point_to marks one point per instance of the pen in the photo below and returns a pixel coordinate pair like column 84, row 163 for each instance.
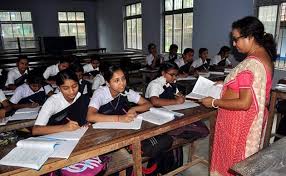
column 124, row 110
column 31, row 101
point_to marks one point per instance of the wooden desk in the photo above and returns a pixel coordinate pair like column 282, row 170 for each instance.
column 14, row 125
column 269, row 161
column 98, row 142
column 275, row 95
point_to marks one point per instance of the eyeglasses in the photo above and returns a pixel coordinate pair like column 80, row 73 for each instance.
column 172, row 74
column 235, row 39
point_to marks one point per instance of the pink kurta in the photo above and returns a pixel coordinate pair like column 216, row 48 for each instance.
column 233, row 127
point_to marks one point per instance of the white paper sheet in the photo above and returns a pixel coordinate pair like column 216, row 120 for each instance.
column 187, row 104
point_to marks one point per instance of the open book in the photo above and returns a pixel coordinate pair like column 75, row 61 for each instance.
column 135, row 125
column 204, row 88
column 29, row 153
column 159, row 116
column 66, row 141
column 25, row 113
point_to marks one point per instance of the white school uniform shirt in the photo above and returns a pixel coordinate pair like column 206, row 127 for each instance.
column 13, row 75
column 217, row 58
column 24, row 91
column 156, row 87
column 51, row 71
column 150, row 58
column 103, row 96
column 198, row 62
column 2, row 96
column 88, row 68
column 180, row 62
column 53, row 105
column 98, row 81
column 167, row 57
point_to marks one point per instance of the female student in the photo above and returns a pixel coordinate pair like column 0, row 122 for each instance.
column 4, row 105
column 185, row 62
column 173, row 53
column 84, row 86
column 221, row 60
column 111, row 103
column 52, row 70
column 201, row 64
column 163, row 91
column 18, row 75
column 31, row 94
column 65, row 111
column 153, row 60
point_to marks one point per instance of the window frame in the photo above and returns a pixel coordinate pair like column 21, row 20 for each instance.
column 23, row 39
column 174, row 12
column 75, row 22
column 131, row 17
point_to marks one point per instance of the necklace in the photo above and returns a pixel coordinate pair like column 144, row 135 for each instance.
column 114, row 108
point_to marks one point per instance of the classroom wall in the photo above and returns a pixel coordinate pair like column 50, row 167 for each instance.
column 44, row 15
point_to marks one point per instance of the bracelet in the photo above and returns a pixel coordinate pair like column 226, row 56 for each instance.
column 213, row 104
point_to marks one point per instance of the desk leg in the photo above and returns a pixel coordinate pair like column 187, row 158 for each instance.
column 136, row 150
column 270, row 119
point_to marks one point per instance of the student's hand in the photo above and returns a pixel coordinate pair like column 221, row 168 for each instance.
column 207, row 102
column 2, row 113
column 132, row 111
column 127, row 117
column 71, row 125
column 33, row 105
column 180, row 99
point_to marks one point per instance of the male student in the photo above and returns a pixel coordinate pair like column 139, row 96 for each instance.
column 17, row 76
column 52, row 70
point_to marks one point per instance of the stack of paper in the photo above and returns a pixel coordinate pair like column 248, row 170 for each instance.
column 204, row 88
column 216, row 73
column 159, row 116
column 135, row 125
column 227, row 70
column 8, row 92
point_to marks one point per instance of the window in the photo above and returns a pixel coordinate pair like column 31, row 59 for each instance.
column 178, row 24
column 274, row 19
column 73, row 24
column 14, row 26
column 133, row 26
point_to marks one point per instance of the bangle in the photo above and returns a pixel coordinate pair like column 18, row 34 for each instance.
column 213, row 104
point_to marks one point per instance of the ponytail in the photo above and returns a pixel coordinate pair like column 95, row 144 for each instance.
column 270, row 45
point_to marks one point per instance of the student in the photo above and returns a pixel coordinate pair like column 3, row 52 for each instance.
column 18, row 75
column 93, row 67
column 221, row 59
column 173, row 53
column 52, row 70
column 110, row 103
column 65, row 111
column 98, row 80
column 84, row 86
column 163, row 91
column 201, row 64
column 4, row 105
column 185, row 62
column 153, row 60
column 32, row 93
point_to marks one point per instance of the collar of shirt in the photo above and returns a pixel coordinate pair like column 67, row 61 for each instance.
column 18, row 72
column 76, row 97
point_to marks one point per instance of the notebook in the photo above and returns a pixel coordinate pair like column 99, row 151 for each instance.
column 159, row 116
column 29, row 153
column 135, row 125
column 186, row 105
column 25, row 113
column 204, row 88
